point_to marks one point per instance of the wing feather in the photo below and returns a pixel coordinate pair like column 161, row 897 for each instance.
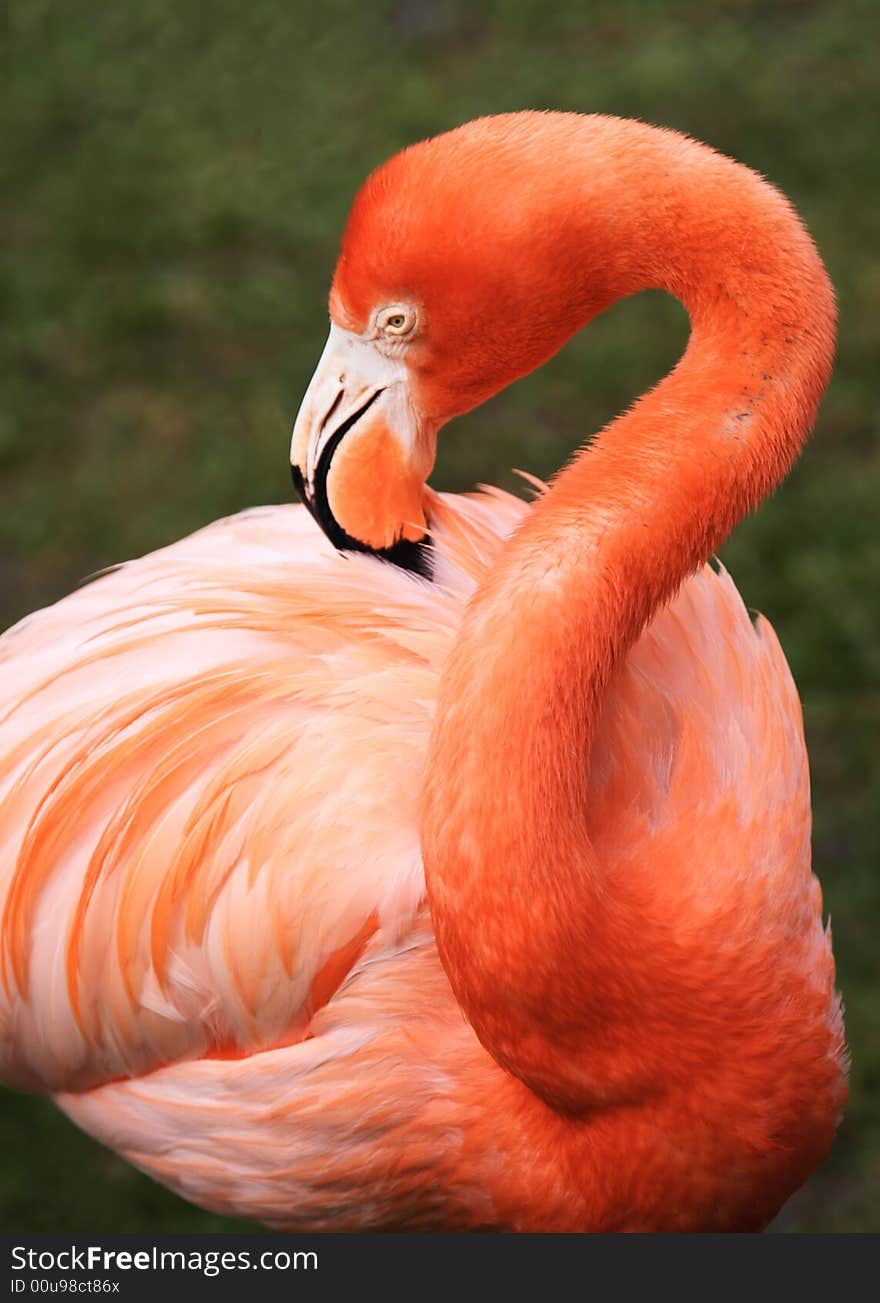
column 208, row 794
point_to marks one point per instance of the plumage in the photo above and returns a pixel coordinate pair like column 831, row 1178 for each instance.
column 224, row 768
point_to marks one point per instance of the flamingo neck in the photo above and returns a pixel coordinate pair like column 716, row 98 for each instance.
column 561, row 970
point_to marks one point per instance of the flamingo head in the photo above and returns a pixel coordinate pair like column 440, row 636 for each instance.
column 457, row 275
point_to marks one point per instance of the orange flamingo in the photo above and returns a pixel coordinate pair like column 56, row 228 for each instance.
column 340, row 896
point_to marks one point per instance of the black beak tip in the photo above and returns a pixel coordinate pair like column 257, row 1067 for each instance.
column 299, row 488
column 417, row 557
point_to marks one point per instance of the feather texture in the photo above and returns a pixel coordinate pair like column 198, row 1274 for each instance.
column 214, row 922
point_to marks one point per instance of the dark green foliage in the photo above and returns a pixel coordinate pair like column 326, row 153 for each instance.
column 175, row 179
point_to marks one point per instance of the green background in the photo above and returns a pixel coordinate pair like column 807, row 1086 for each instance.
column 176, row 176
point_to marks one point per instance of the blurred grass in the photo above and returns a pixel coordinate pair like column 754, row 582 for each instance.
column 176, row 177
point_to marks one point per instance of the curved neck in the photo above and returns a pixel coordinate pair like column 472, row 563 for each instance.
column 549, row 952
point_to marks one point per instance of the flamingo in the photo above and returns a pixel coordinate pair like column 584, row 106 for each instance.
column 449, row 866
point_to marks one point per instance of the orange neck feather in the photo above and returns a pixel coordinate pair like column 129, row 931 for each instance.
column 558, row 965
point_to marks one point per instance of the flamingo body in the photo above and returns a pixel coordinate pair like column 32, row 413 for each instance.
column 243, row 995
column 296, row 925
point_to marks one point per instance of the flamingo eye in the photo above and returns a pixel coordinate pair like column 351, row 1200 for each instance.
column 396, row 321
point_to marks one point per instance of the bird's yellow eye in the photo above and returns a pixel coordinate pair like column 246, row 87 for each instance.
column 396, row 321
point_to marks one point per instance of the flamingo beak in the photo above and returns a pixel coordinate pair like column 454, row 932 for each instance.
column 360, row 454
